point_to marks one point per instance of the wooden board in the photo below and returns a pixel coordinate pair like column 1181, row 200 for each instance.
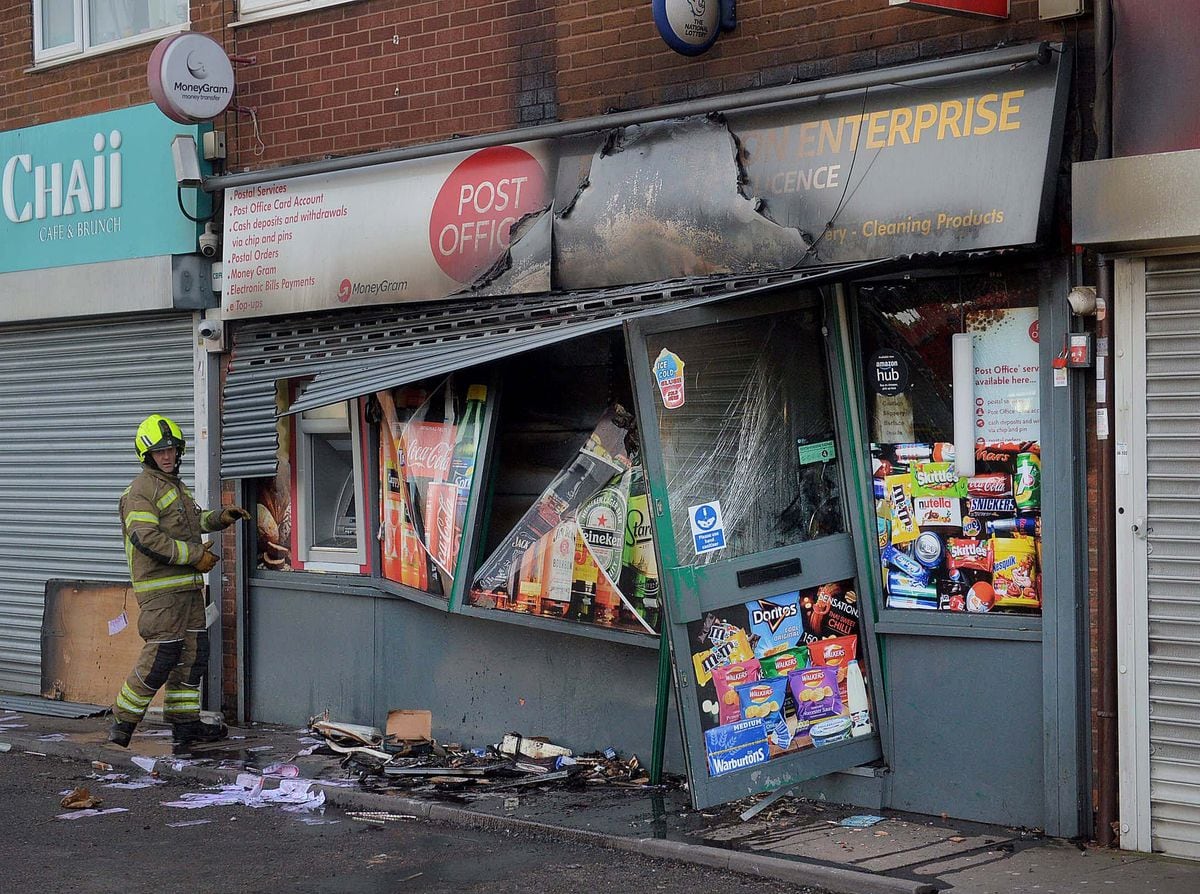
column 80, row 661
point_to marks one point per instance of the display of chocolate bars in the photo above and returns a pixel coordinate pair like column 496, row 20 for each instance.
column 954, row 543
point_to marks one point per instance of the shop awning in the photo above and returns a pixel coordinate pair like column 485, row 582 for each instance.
column 350, row 355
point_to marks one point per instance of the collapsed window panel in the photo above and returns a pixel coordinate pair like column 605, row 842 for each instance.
column 569, row 535
column 779, row 675
column 951, row 541
column 428, row 441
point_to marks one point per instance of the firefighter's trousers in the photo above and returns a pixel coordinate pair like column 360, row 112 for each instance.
column 175, row 655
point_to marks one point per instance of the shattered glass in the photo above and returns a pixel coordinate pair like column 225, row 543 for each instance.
column 753, row 429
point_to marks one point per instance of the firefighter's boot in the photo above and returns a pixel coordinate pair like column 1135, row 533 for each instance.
column 121, row 732
column 196, row 732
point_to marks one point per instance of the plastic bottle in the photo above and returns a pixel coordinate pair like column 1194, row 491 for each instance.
column 856, row 696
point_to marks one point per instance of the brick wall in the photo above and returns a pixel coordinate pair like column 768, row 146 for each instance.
column 373, row 74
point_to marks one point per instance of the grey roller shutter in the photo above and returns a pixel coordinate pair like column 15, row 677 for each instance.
column 71, row 397
column 353, row 354
column 1173, row 546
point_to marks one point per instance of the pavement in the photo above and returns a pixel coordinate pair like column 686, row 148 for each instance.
column 793, row 840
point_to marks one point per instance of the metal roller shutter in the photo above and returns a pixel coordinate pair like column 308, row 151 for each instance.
column 71, row 397
column 1173, row 547
column 355, row 353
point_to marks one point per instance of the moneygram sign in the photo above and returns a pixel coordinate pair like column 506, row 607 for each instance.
column 99, row 188
column 409, row 231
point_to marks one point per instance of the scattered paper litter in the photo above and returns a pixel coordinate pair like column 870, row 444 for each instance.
column 5, row 746
column 957, row 839
column 76, row 814
column 288, row 771
column 318, row 821
column 111, row 777
column 80, row 799
column 183, row 823
column 146, row 763
column 53, row 737
column 249, row 791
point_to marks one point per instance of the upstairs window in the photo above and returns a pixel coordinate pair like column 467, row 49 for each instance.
column 64, row 28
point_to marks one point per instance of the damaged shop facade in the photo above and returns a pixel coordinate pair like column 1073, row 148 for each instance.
column 509, row 412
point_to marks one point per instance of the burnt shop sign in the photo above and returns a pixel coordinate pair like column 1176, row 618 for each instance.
column 896, row 171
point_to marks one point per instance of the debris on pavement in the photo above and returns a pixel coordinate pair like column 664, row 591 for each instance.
column 79, row 814
column 80, row 799
column 861, row 821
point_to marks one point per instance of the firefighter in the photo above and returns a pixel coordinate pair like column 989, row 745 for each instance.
column 167, row 560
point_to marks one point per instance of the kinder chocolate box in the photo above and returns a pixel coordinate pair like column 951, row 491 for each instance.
column 735, row 746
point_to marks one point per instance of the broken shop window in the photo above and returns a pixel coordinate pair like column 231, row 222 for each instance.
column 582, row 551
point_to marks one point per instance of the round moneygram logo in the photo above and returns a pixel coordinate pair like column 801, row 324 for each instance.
column 344, row 290
column 471, row 221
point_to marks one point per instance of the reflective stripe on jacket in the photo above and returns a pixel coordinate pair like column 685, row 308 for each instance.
column 162, row 526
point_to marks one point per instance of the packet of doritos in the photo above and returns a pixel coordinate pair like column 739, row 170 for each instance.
column 775, row 620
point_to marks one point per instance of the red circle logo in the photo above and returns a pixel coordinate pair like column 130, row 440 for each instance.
column 473, row 214
column 1033, row 330
column 344, row 290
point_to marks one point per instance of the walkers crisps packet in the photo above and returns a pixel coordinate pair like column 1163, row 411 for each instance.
column 725, row 680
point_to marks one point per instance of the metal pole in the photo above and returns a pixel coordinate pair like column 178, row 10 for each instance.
column 1106, row 556
column 660, row 705
column 767, row 96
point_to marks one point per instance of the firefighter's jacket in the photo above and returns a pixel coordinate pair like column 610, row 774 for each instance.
column 162, row 526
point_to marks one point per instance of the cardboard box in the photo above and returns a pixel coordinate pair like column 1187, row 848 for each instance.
column 410, row 726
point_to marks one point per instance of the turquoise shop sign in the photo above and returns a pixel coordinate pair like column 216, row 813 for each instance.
column 97, row 188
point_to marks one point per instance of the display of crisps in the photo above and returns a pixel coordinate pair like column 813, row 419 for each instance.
column 763, row 700
column 726, row 679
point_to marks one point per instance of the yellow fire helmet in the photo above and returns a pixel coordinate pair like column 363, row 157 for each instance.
column 157, row 432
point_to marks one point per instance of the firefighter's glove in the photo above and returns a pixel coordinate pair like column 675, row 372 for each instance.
column 206, row 562
column 232, row 514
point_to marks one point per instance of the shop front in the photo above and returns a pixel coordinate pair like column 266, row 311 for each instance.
column 98, row 293
column 514, row 416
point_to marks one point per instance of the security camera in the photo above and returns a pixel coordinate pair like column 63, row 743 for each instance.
column 209, row 330
column 210, row 241
column 1082, row 300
